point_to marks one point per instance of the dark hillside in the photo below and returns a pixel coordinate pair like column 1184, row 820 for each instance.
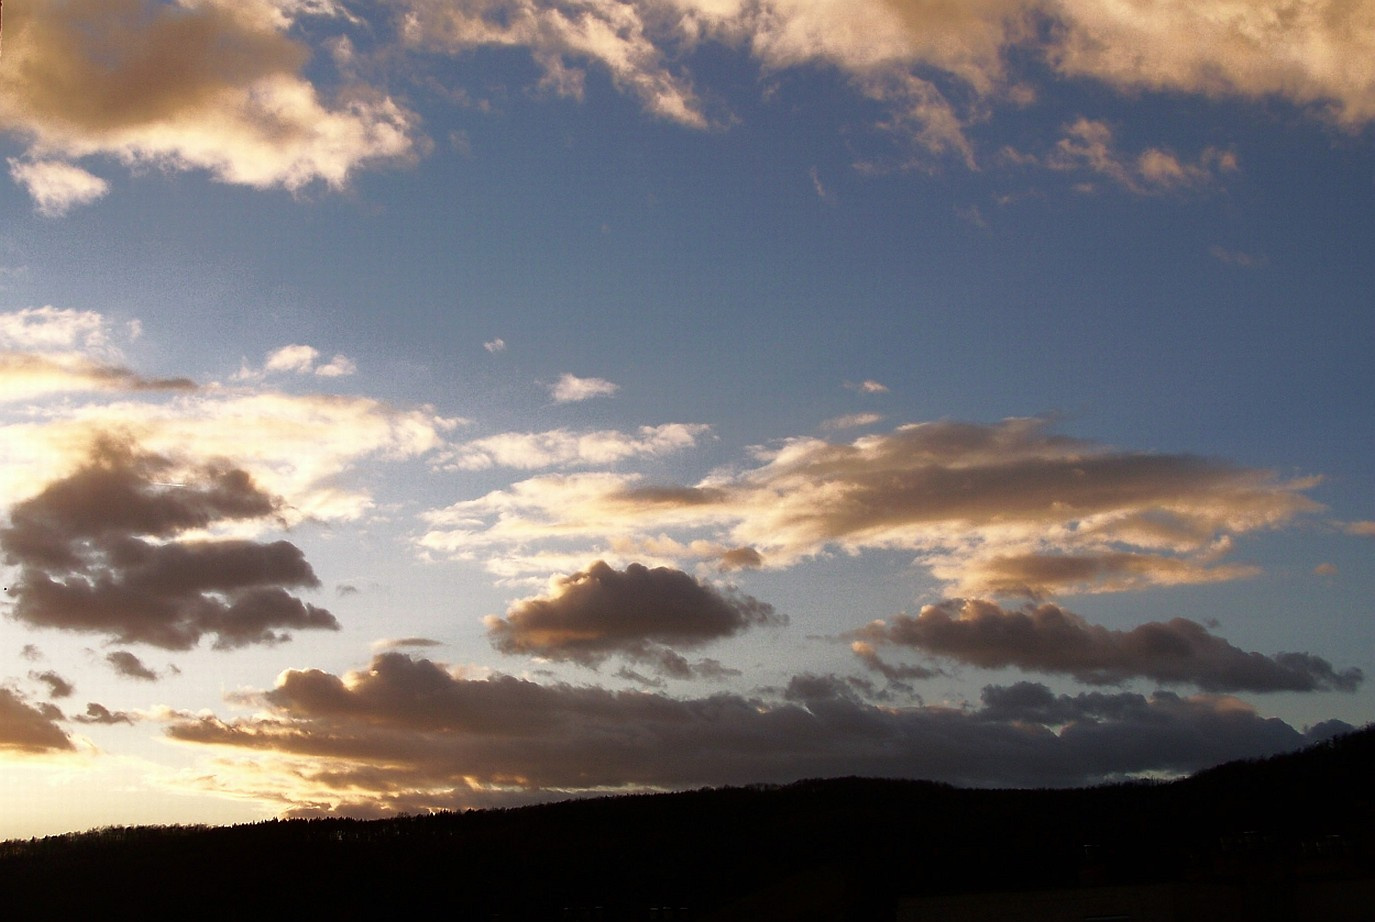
column 830, row 849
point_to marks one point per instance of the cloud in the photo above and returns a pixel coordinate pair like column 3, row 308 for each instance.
column 27, row 376
column 46, row 350
column 412, row 734
column 562, row 447
column 852, row 421
column 1311, row 54
column 1088, row 144
column 1047, row 638
column 130, row 666
column 30, row 728
column 299, row 360
column 58, row 687
column 496, row 345
column 1106, row 571
column 50, row 329
column 571, row 389
column 613, row 35
column 638, row 612
column 104, row 550
column 57, row 187
column 215, row 86
column 303, row 448
column 100, row 714
column 399, row 643
column 1236, row 257
column 1360, row 529
column 869, row 387
column 940, row 69
column 894, row 672
column 1008, row 507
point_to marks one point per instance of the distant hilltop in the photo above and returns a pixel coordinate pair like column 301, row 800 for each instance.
column 1268, row 836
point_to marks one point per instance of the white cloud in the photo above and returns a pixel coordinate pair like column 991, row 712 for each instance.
column 57, row 187
column 300, row 360
column 48, row 329
column 571, row 389
column 562, row 447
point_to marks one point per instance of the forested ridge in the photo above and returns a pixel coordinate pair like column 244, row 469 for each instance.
column 834, row 848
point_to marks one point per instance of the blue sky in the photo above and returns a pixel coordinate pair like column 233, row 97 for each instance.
column 414, row 405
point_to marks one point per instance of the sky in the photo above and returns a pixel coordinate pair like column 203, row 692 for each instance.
column 415, row 405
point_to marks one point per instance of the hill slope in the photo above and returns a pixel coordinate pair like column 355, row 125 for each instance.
column 828, row 849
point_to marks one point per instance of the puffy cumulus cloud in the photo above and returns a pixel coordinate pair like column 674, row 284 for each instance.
column 1009, row 507
column 130, row 666
column 105, row 550
column 300, row 360
column 215, row 85
column 563, row 447
column 26, row 727
column 57, row 187
column 58, row 687
column 412, row 732
column 572, row 389
column 639, row 612
column 1047, row 638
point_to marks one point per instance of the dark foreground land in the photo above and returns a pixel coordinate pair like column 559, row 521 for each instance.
column 1291, row 837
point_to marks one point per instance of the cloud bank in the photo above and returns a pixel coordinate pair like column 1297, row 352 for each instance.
column 409, row 734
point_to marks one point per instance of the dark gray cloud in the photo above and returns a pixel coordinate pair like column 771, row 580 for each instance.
column 29, row 727
column 397, row 643
column 408, row 727
column 102, row 551
column 100, row 714
column 640, row 612
column 130, row 666
column 58, row 687
column 1047, row 638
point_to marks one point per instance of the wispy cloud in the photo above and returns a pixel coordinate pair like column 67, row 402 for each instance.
column 1009, row 507
column 564, row 447
column 571, row 389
